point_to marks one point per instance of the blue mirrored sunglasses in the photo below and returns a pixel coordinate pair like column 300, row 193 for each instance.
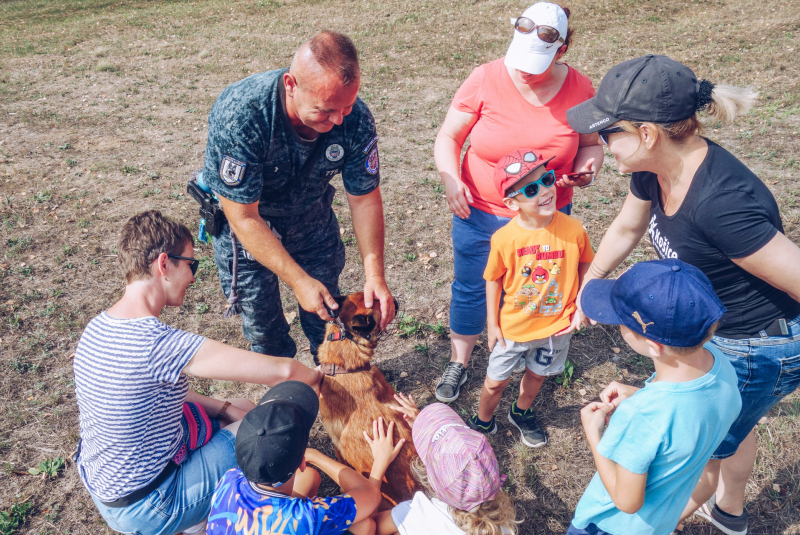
column 532, row 190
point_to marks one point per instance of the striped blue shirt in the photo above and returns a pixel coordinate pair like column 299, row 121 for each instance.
column 130, row 394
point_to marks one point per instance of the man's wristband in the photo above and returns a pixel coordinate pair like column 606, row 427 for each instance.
column 590, row 183
column 223, row 409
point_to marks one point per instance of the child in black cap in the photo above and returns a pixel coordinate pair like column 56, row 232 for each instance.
column 274, row 490
column 661, row 436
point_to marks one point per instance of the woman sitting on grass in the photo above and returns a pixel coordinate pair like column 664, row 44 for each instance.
column 150, row 454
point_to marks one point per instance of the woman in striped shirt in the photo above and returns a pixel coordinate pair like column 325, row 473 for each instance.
column 148, row 454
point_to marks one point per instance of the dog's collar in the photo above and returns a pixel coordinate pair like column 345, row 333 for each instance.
column 333, row 370
column 341, row 335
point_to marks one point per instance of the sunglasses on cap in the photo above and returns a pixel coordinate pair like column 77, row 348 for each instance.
column 605, row 132
column 548, row 34
column 532, row 190
column 193, row 262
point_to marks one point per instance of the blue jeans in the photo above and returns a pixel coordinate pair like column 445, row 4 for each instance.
column 768, row 369
column 591, row 529
column 471, row 245
column 183, row 499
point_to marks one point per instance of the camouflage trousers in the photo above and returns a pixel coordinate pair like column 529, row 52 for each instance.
column 313, row 241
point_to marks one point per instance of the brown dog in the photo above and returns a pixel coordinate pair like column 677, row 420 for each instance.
column 355, row 393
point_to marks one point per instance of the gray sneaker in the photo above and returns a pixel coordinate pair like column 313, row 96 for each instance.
column 521, row 366
column 450, row 384
column 727, row 524
column 532, row 435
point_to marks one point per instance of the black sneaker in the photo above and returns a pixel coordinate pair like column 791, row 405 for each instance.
column 730, row 525
column 450, row 384
column 533, row 435
column 490, row 429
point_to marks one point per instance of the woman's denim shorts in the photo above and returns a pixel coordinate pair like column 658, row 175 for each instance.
column 768, row 369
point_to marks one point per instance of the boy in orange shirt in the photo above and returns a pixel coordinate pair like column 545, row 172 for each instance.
column 538, row 259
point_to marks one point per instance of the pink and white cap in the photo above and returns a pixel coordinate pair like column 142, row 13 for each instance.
column 462, row 468
column 527, row 52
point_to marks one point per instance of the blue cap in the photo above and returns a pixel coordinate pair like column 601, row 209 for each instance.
column 667, row 301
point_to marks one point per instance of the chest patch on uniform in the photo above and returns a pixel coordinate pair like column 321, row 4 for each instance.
column 231, row 171
column 334, row 152
column 372, row 162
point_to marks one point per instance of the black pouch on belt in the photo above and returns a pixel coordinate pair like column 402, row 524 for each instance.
column 210, row 210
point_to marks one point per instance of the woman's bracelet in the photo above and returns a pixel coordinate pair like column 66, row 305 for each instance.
column 590, row 183
column 597, row 272
column 223, row 409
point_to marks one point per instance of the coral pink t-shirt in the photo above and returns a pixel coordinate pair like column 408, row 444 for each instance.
column 507, row 122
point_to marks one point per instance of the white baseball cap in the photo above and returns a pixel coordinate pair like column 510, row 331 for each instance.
column 527, row 52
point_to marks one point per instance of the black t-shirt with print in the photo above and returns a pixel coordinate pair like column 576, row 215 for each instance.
column 728, row 213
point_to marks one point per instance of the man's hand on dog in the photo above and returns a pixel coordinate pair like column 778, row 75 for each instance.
column 383, row 449
column 375, row 289
column 407, row 407
column 312, row 296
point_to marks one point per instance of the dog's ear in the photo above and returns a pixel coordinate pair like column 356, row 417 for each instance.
column 339, row 299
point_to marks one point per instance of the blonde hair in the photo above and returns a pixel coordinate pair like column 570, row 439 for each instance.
column 493, row 517
column 726, row 104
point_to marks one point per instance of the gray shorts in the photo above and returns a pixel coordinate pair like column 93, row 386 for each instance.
column 540, row 356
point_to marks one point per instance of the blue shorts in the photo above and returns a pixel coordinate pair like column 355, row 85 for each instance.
column 183, row 499
column 768, row 369
column 472, row 242
column 591, row 529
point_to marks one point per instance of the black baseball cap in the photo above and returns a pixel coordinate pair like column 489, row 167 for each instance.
column 272, row 437
column 653, row 89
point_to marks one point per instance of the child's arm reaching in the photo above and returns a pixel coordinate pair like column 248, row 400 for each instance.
column 383, row 452
column 493, row 332
column 578, row 319
column 364, row 493
column 625, row 487
column 407, row 407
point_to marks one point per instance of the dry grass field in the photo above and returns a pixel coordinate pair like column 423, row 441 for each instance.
column 103, row 113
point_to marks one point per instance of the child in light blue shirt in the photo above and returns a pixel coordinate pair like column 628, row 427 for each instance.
column 659, row 438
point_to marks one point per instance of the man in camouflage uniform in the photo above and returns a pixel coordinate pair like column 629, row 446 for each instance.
column 275, row 141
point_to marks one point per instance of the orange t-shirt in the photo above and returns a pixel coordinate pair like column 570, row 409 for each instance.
column 507, row 122
column 539, row 269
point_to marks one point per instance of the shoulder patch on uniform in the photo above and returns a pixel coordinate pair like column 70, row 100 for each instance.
column 370, row 144
column 231, row 171
column 372, row 162
column 334, row 152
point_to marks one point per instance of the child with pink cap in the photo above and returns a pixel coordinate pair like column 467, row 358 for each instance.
column 460, row 475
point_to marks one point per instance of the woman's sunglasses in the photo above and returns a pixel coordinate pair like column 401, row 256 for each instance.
column 193, row 262
column 548, row 34
column 532, row 190
column 605, row 132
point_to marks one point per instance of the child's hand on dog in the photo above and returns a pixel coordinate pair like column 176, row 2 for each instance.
column 383, row 449
column 407, row 406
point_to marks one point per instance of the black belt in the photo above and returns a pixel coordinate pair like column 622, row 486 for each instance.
column 776, row 328
column 138, row 494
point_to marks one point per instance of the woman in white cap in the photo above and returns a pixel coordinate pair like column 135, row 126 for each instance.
column 516, row 101
column 700, row 204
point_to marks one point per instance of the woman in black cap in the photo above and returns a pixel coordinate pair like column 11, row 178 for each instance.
column 700, row 204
